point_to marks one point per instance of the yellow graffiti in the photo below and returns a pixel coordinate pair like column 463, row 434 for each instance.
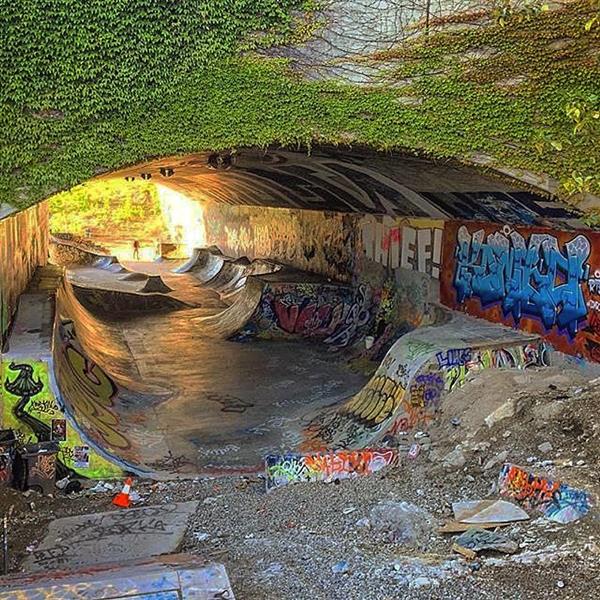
column 91, row 394
column 377, row 401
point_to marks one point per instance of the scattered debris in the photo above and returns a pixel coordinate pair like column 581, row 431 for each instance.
column 455, row 459
column 470, row 554
column 495, row 460
column 477, row 539
column 201, row 536
column 402, row 522
column 341, row 567
column 414, row 451
column 101, row 488
column 488, row 511
column 545, row 447
column 505, row 411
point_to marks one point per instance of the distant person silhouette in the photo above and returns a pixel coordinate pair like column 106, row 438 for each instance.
column 136, row 250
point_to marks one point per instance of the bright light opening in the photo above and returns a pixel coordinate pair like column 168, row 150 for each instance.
column 183, row 217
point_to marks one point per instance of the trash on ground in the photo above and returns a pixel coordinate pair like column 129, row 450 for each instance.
column 470, row 554
column 557, row 501
column 341, row 567
column 457, row 527
column 477, row 539
column 101, row 487
column 414, row 450
column 402, row 522
column 488, row 511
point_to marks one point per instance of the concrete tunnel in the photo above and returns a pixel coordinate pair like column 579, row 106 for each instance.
column 301, row 302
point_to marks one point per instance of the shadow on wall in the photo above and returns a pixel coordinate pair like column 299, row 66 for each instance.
column 23, row 247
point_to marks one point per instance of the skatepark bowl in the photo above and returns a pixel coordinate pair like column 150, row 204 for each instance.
column 334, row 321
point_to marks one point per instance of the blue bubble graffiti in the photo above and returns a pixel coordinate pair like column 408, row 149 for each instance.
column 535, row 278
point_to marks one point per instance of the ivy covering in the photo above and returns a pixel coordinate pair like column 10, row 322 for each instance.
column 93, row 86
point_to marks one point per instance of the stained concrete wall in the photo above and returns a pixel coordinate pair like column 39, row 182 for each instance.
column 23, row 247
column 315, row 241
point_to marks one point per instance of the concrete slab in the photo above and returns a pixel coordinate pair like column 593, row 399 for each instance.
column 175, row 577
column 111, row 537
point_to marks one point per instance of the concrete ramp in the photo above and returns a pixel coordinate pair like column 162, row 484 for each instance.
column 409, row 386
column 175, row 391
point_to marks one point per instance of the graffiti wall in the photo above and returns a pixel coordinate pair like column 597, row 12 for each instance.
column 23, row 246
column 326, row 466
column 29, row 407
column 412, row 244
column 313, row 241
column 87, row 390
column 540, row 280
column 332, row 313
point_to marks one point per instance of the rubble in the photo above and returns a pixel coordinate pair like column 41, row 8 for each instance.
column 402, row 522
column 455, row 459
column 477, row 539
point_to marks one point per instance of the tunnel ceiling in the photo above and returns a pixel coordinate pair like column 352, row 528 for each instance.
column 332, row 180
column 93, row 86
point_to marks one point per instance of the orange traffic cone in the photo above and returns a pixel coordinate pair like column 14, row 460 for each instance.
column 122, row 498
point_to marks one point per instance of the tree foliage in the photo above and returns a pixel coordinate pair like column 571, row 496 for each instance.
column 93, row 86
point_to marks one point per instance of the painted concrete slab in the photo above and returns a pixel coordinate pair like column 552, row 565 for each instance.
column 175, row 577
column 117, row 536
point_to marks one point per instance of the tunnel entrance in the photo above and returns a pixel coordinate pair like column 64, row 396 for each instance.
column 275, row 301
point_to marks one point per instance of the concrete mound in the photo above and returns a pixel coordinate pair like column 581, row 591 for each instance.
column 155, row 284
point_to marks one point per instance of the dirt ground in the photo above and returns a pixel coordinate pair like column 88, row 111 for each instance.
column 313, row 541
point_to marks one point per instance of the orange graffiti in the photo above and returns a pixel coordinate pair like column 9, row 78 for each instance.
column 361, row 462
column 523, row 486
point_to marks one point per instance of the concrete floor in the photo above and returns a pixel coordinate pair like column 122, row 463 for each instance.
column 190, row 403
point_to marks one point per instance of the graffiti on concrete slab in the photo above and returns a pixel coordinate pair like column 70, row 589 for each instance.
column 411, row 244
column 453, row 357
column 87, row 389
column 326, row 466
column 510, row 357
column 31, row 410
column 534, row 277
column 557, row 501
column 426, row 390
column 111, row 537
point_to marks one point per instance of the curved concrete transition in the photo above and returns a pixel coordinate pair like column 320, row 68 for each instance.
column 248, row 358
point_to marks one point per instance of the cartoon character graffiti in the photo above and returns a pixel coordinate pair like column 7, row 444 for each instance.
column 534, row 278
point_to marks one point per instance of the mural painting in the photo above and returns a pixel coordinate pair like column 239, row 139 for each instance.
column 557, row 501
column 538, row 280
column 332, row 313
column 23, row 247
column 413, row 244
column 30, row 408
column 515, row 357
column 326, row 466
